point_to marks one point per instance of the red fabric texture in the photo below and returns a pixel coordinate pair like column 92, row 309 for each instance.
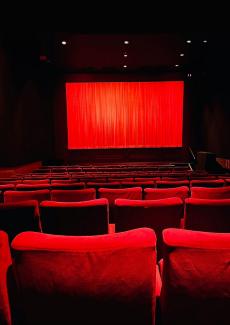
column 5, row 262
column 124, row 114
column 19, row 196
column 70, row 186
column 163, row 193
column 196, row 278
column 134, row 193
column 207, row 215
column 32, row 187
column 75, row 218
column 38, row 181
column 73, row 195
column 210, row 193
column 167, row 184
column 7, row 187
column 18, row 217
column 155, row 214
column 207, row 183
column 107, row 279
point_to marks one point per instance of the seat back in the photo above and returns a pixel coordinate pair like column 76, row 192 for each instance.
column 107, row 279
column 73, row 195
column 155, row 214
column 18, row 217
column 133, row 193
column 164, row 193
column 207, row 183
column 5, row 262
column 18, row 196
column 75, row 218
column 196, row 278
column 210, row 193
column 207, row 215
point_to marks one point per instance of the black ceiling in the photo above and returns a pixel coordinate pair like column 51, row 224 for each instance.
column 101, row 52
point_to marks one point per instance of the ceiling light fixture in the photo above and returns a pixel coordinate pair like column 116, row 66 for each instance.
column 181, row 54
column 126, row 42
column 125, row 55
column 189, row 75
column 188, row 41
column 64, row 42
column 205, row 41
column 124, row 66
column 176, row 65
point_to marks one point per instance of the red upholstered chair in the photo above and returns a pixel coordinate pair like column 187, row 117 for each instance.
column 70, row 186
column 155, row 214
column 163, row 193
column 106, row 279
column 18, row 196
column 4, row 188
column 34, row 181
column 210, row 193
column 134, row 193
column 18, row 217
column 167, row 184
column 32, row 187
column 196, row 278
column 5, row 263
column 207, row 183
column 207, row 215
column 73, row 195
column 75, row 218
column 138, row 184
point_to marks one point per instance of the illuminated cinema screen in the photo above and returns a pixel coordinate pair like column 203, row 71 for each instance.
column 124, row 114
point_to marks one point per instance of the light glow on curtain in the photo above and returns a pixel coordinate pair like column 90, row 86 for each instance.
column 124, row 114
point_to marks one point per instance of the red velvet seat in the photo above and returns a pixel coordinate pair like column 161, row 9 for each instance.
column 207, row 183
column 32, row 187
column 163, row 193
column 36, row 181
column 5, row 262
column 73, row 195
column 207, row 215
column 64, row 186
column 75, row 218
column 155, row 214
column 210, row 193
column 167, row 184
column 133, row 193
column 18, row 217
column 196, row 278
column 18, row 196
column 106, row 279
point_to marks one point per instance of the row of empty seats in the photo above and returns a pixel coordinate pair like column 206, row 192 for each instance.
column 114, row 279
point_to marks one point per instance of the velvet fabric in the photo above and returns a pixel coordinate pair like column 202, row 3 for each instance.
column 155, row 214
column 207, row 183
column 106, row 279
column 5, row 262
column 18, row 196
column 207, row 215
column 196, row 278
column 163, row 193
column 210, row 193
column 75, row 218
column 167, row 184
column 73, row 195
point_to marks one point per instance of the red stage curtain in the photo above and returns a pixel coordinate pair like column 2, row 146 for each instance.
column 124, row 114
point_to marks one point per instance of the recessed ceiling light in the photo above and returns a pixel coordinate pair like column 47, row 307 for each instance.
column 189, row 75
column 188, row 41
column 125, row 55
column 126, row 42
column 124, row 66
column 181, row 54
column 64, row 42
column 205, row 41
column 176, row 65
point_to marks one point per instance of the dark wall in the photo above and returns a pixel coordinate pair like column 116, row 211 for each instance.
column 26, row 95
column 210, row 114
